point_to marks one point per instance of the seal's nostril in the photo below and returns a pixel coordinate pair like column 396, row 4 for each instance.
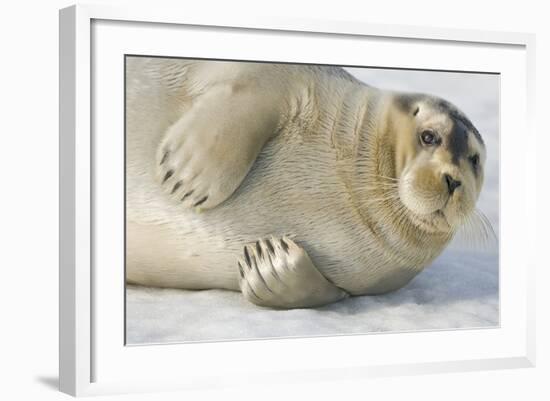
column 452, row 184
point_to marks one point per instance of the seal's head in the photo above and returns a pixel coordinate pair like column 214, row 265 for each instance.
column 439, row 161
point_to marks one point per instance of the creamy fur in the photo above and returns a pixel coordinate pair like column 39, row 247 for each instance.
column 317, row 178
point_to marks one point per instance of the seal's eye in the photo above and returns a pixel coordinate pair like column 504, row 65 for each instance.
column 474, row 161
column 428, row 138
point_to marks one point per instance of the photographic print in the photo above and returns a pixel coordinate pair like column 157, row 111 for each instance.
column 268, row 200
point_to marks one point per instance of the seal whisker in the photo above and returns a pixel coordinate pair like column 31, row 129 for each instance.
column 489, row 232
column 369, row 191
column 475, row 231
column 382, row 183
column 470, row 232
column 365, row 174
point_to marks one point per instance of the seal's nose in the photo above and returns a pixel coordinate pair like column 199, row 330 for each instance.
column 452, row 184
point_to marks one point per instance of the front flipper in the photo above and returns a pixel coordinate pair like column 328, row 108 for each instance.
column 206, row 154
column 277, row 273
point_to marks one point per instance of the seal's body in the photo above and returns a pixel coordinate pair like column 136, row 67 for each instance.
column 221, row 156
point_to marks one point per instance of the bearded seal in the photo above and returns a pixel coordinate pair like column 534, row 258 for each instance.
column 297, row 185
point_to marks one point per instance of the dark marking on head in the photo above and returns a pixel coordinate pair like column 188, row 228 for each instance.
column 415, row 112
column 457, row 141
column 458, row 116
column 407, row 102
column 474, row 162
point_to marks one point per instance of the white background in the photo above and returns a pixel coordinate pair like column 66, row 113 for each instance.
column 28, row 202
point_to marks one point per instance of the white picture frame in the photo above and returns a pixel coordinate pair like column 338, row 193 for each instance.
column 93, row 358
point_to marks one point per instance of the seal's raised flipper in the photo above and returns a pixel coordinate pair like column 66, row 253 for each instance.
column 278, row 273
column 205, row 155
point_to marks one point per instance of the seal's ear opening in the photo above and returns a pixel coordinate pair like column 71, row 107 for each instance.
column 409, row 103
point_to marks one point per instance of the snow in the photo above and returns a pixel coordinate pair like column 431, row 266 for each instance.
column 459, row 290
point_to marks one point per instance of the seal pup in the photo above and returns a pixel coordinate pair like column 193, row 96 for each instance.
column 297, row 185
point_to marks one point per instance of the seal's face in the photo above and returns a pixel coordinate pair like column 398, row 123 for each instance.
column 439, row 163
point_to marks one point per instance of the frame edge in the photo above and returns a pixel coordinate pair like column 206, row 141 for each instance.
column 75, row 345
column 67, row 114
column 530, row 62
column 75, row 342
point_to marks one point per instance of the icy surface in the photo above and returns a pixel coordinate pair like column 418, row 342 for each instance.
column 459, row 290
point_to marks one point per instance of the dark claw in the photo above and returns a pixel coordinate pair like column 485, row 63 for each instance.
column 247, row 257
column 169, row 174
column 253, row 292
column 164, row 158
column 201, row 201
column 178, row 184
column 262, row 278
column 241, row 272
column 258, row 249
column 274, row 273
column 187, row 194
column 284, row 245
column 270, row 246
column 253, row 260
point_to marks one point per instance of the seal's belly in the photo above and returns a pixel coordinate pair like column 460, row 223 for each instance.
column 293, row 189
